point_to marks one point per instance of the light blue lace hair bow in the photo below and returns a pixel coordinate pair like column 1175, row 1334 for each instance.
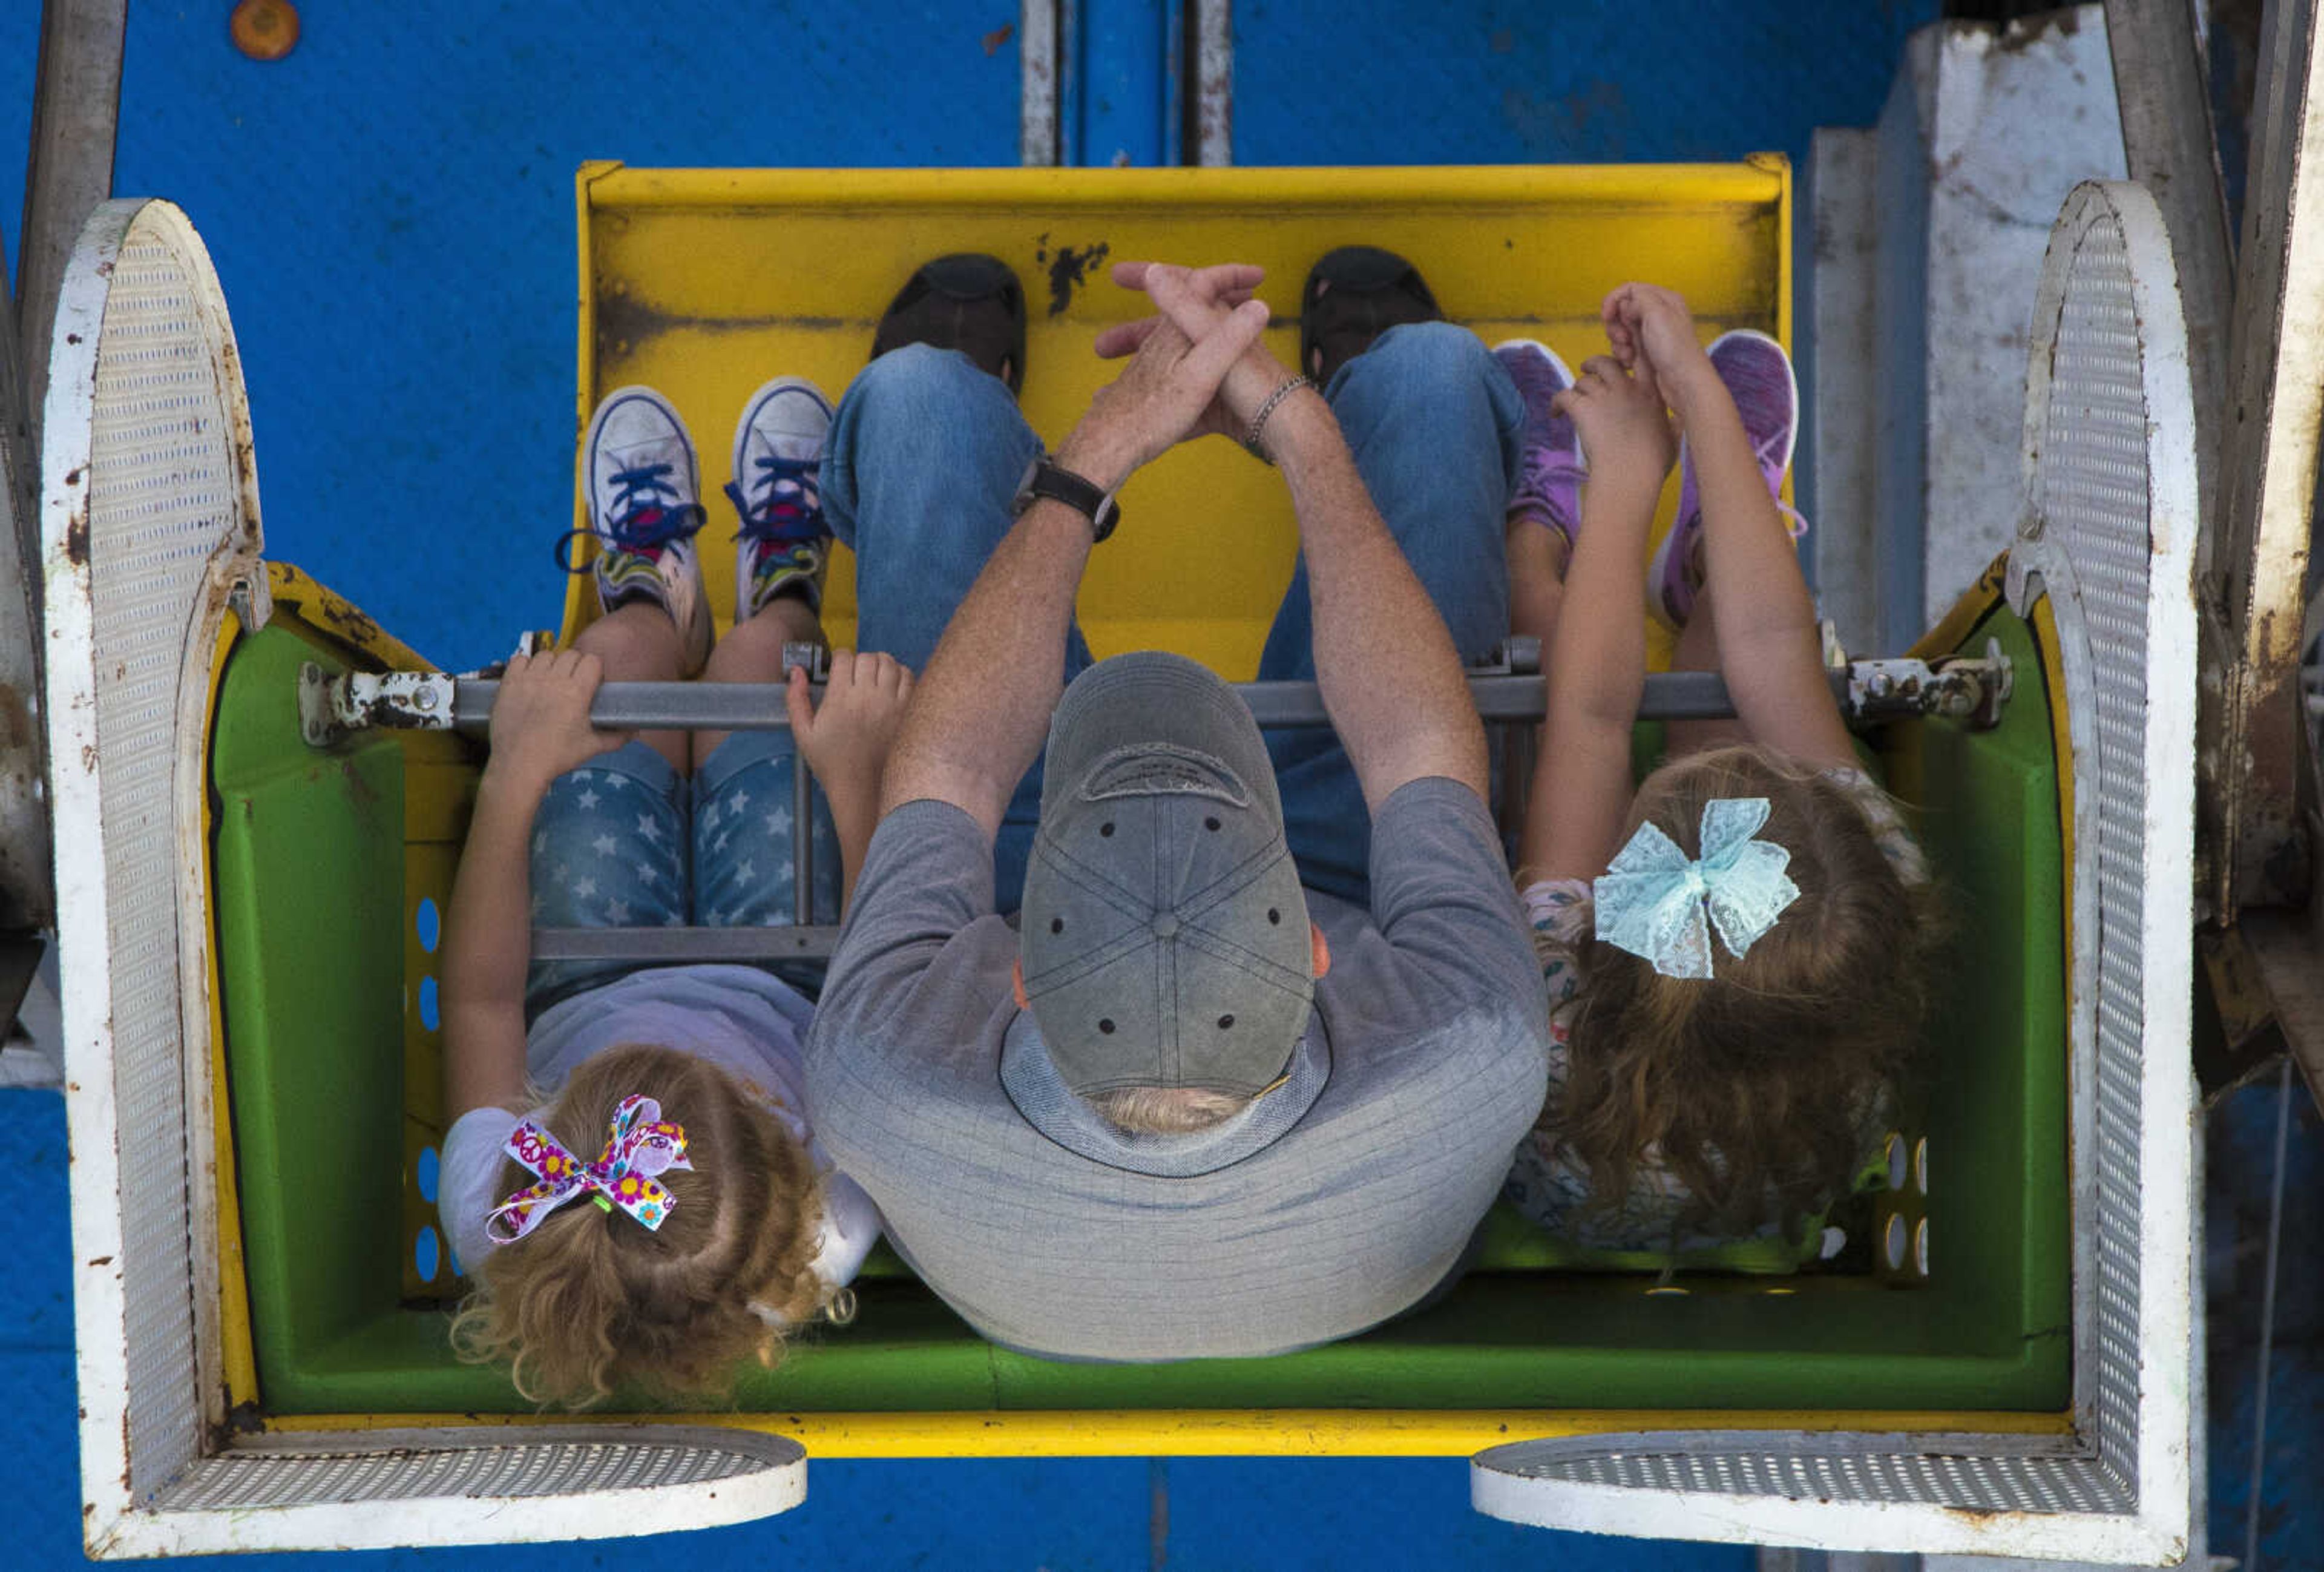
column 1655, row 902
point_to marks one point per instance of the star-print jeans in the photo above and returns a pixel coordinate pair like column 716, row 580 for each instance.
column 921, row 473
column 626, row 842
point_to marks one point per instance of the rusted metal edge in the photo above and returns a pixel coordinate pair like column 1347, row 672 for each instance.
column 2170, row 146
column 2251, row 741
column 76, row 110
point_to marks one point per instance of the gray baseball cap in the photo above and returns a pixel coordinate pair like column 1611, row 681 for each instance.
column 1165, row 934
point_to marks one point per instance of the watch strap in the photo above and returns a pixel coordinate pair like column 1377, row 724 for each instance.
column 1083, row 496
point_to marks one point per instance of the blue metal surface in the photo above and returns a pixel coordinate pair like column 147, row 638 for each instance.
column 1124, row 61
column 1378, row 81
column 2241, row 1137
column 391, row 210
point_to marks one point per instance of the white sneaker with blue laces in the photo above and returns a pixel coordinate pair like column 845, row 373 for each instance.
column 784, row 544
column 644, row 492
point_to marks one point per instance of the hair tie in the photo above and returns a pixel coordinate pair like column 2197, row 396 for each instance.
column 639, row 1144
column 1655, row 902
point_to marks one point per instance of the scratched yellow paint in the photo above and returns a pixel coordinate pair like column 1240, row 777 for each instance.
column 705, row 282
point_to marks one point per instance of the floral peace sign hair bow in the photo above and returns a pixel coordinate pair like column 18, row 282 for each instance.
column 1655, row 902
column 641, row 1145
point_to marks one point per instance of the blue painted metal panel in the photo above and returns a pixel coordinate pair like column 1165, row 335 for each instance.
column 1510, row 81
column 391, row 210
column 1290, row 1515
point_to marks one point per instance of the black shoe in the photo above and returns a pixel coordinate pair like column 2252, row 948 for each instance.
column 965, row 301
column 1352, row 296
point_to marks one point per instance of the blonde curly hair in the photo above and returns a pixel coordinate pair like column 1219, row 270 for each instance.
column 590, row 1299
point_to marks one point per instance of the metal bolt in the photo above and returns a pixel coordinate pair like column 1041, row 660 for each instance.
column 425, row 698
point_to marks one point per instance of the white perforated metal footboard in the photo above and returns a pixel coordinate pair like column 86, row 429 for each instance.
column 2108, row 536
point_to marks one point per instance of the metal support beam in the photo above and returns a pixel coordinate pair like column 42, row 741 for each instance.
column 76, row 108
column 1104, row 82
column 1211, row 136
column 2169, row 147
column 1036, row 54
column 801, row 942
column 27, row 877
column 2251, row 731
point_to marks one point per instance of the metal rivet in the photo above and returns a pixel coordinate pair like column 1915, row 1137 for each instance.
column 264, row 30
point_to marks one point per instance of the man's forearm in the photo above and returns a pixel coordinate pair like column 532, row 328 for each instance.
column 1388, row 673
column 981, row 711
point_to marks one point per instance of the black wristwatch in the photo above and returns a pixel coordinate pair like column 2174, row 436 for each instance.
column 1042, row 478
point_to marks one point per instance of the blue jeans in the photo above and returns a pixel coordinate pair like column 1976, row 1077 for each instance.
column 625, row 841
column 921, row 470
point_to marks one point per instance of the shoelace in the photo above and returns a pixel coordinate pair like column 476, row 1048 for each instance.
column 1546, row 465
column 1763, row 452
column 646, row 516
column 785, row 504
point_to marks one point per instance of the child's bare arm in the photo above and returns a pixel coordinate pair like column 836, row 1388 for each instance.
column 1596, row 662
column 846, row 743
column 1768, row 648
column 541, row 729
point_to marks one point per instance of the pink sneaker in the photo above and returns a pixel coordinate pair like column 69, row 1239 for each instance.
column 1759, row 375
column 1549, row 467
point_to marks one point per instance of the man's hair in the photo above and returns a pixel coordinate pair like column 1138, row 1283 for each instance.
column 1754, row 1083
column 1167, row 1110
column 591, row 1298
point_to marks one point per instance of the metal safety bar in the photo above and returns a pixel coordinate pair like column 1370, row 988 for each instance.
column 1507, row 688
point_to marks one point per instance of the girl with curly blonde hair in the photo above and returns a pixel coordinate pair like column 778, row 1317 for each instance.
column 630, row 1177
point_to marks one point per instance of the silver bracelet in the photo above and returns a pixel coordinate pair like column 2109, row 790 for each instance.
column 1266, row 408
